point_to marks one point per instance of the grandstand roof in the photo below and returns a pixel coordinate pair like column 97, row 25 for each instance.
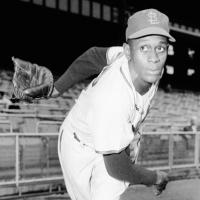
column 183, row 12
column 184, row 15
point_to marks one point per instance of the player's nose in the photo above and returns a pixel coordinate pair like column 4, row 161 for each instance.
column 153, row 57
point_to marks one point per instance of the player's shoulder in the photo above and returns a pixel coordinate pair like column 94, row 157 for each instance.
column 113, row 53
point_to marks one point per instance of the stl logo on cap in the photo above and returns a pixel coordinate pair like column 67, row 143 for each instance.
column 152, row 17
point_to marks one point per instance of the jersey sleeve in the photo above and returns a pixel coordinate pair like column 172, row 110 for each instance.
column 88, row 64
column 113, row 53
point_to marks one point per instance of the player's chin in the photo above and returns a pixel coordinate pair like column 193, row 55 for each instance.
column 153, row 78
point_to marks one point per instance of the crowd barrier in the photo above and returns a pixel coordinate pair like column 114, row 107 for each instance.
column 28, row 159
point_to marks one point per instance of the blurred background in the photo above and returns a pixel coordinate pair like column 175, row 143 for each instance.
column 53, row 33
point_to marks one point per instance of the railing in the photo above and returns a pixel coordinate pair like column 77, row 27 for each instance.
column 170, row 132
column 171, row 165
column 40, row 123
column 31, row 158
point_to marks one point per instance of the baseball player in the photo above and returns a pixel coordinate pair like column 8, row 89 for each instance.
column 107, row 115
column 91, row 63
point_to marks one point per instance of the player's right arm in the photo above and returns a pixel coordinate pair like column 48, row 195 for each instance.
column 90, row 63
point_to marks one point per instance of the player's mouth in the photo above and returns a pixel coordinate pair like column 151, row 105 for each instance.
column 155, row 72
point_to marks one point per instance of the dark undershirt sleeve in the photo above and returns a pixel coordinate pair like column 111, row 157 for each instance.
column 120, row 167
column 90, row 63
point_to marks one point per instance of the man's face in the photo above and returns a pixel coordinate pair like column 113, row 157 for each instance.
column 147, row 56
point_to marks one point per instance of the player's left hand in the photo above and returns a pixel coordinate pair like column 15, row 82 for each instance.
column 31, row 81
column 162, row 180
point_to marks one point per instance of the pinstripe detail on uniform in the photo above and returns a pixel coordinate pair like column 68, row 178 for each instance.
column 126, row 80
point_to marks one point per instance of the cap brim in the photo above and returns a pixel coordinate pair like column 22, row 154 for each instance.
column 152, row 31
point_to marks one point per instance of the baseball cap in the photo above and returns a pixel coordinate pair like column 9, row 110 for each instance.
column 148, row 22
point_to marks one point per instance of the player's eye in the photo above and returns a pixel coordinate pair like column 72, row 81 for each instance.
column 161, row 49
column 144, row 48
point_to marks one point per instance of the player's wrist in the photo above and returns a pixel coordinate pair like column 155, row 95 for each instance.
column 55, row 93
column 161, row 176
column 40, row 91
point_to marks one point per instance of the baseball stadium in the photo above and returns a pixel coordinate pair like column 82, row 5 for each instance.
column 53, row 33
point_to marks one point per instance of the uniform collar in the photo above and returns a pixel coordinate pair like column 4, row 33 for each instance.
column 124, row 70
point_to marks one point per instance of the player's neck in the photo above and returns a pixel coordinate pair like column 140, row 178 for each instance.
column 141, row 87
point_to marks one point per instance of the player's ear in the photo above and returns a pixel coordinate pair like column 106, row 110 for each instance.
column 127, row 51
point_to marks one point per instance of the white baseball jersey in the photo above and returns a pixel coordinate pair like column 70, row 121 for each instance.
column 104, row 119
column 108, row 112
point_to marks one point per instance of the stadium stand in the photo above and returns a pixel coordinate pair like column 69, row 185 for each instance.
column 28, row 144
column 169, row 110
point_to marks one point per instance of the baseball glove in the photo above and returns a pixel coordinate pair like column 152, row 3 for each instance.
column 28, row 75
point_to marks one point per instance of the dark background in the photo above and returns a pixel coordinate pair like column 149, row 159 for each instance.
column 51, row 37
column 54, row 38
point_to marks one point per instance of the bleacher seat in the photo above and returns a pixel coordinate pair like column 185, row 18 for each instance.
column 175, row 108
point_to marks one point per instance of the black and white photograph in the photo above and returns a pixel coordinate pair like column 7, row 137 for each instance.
column 99, row 100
